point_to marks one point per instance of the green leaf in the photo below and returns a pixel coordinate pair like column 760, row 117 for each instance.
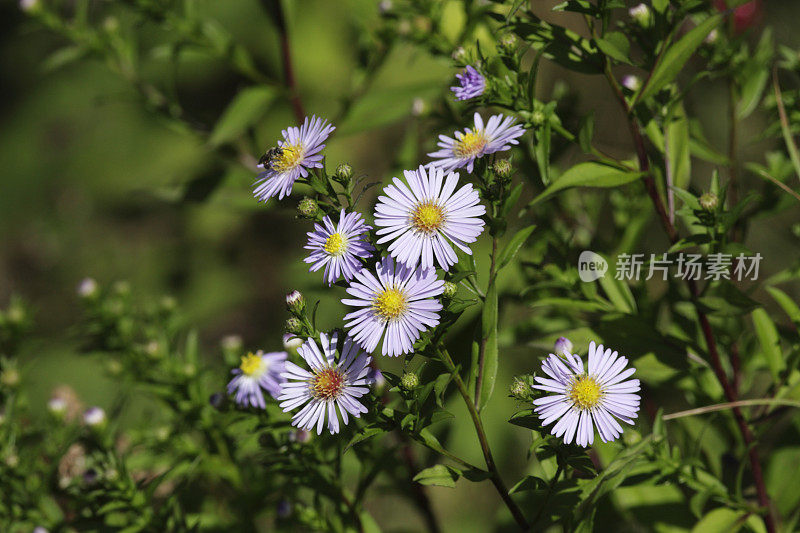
column 586, row 133
column 787, row 304
column 542, row 152
column 526, row 419
column 513, row 198
column 618, row 293
column 363, row 435
column 783, row 469
column 591, row 174
column 676, row 57
column 490, row 353
column 615, row 45
column 246, row 108
column 510, row 250
column 721, row 520
column 529, row 483
column 439, row 475
column 754, row 76
column 62, row 57
column 677, row 148
column 768, row 339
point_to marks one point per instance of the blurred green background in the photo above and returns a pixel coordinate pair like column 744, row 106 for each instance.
column 92, row 185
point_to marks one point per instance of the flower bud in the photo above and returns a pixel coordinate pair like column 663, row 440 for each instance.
column 94, row 417
column 418, row 107
column 9, row 377
column 153, row 349
column 189, row 370
column 12, row 460
column 519, row 390
column 295, row 303
column 384, row 6
column 111, row 24
column 90, row 476
column 709, row 201
column 293, row 325
column 712, row 37
column 216, row 400
column 57, row 406
column 344, row 172
column 308, row 207
column 87, row 288
column 459, row 55
column 631, row 82
column 502, row 167
column 123, row 288
column 563, row 346
column 508, row 43
column 449, row 289
column 29, row 6
column 284, row 509
column 378, row 381
column 168, row 304
column 409, row 381
column 291, row 342
column 232, row 343
column 641, row 14
column 114, row 367
column 537, row 118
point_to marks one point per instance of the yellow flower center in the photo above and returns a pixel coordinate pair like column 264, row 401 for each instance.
column 336, row 244
column 327, row 384
column 390, row 304
column 290, row 157
column 427, row 217
column 585, row 392
column 251, row 364
column 470, row 144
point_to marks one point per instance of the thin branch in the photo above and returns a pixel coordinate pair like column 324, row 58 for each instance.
column 705, row 325
column 484, row 340
column 730, row 405
column 487, row 452
column 286, row 59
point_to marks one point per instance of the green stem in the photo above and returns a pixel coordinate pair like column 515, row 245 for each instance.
column 550, row 488
column 731, row 405
column 484, row 443
column 484, row 339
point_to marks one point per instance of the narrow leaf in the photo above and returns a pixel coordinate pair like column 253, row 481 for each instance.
column 490, row 353
column 591, row 174
column 509, row 252
column 439, row 475
column 245, row 110
column 768, row 339
column 676, row 57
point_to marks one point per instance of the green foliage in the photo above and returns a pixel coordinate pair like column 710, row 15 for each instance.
column 676, row 169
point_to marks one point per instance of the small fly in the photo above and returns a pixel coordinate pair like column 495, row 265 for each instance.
column 268, row 158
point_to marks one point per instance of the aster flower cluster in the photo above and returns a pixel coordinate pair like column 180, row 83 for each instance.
column 388, row 269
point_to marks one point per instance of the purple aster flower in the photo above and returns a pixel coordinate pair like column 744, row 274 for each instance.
column 472, row 84
column 295, row 154
column 498, row 135
column 328, row 385
column 258, row 371
column 581, row 398
column 340, row 247
column 399, row 302
column 424, row 217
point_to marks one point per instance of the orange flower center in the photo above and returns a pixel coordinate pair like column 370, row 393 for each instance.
column 327, row 384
